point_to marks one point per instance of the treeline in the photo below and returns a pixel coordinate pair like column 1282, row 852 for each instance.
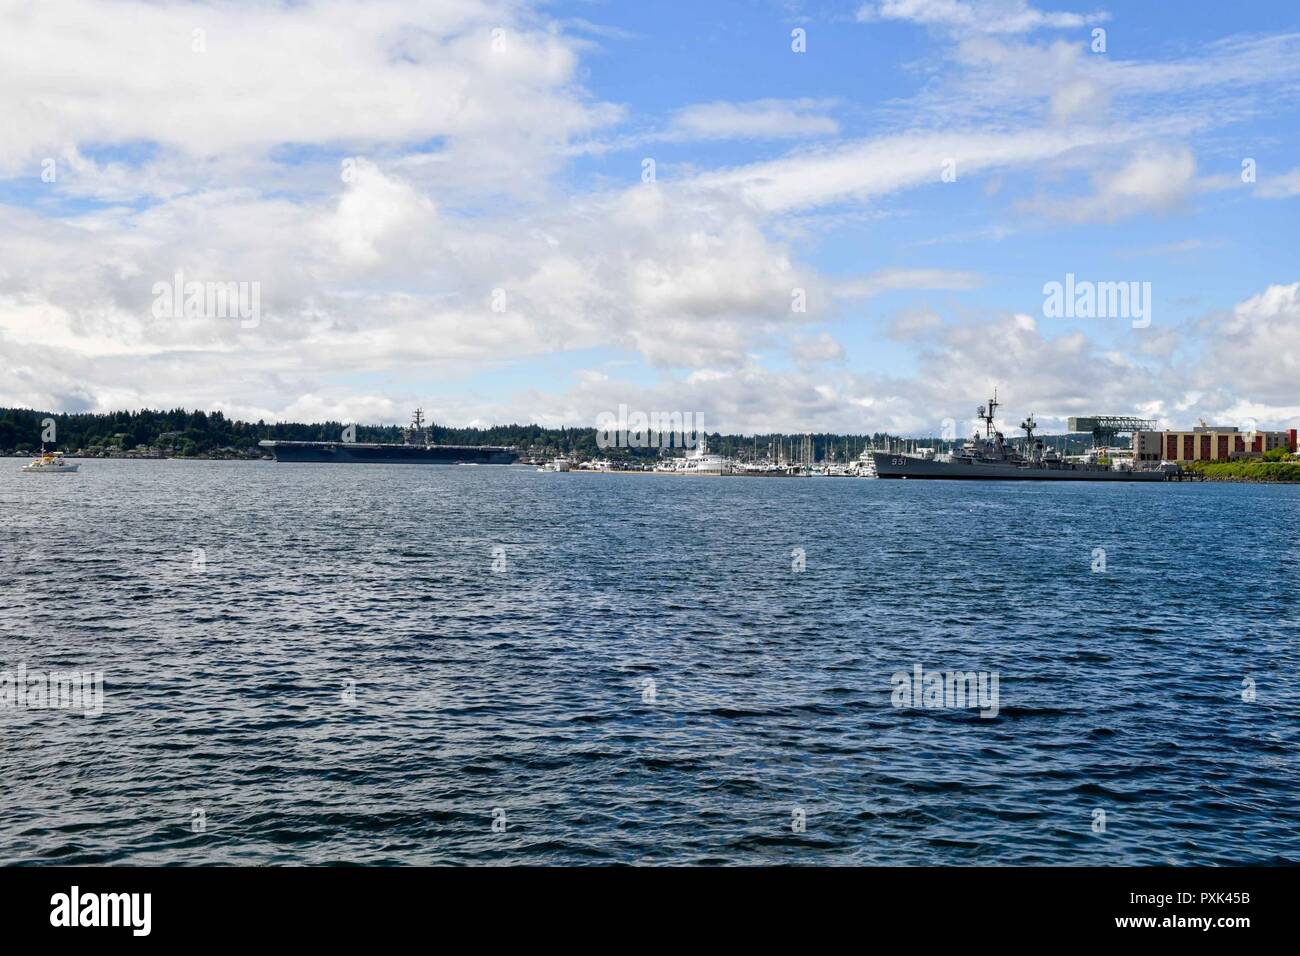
column 1272, row 469
column 178, row 431
column 189, row 433
column 186, row 433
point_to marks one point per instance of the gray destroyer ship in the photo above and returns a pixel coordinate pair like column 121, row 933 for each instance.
column 416, row 449
column 988, row 456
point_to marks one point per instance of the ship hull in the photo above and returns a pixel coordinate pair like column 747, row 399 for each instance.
column 903, row 466
column 357, row 453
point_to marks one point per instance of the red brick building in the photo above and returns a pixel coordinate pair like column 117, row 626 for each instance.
column 1209, row 443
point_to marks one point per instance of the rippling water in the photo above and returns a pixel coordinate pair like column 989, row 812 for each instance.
column 341, row 675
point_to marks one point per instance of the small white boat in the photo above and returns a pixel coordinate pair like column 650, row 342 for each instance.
column 50, row 463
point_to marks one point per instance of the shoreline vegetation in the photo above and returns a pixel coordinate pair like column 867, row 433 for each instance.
column 1280, row 471
column 211, row 436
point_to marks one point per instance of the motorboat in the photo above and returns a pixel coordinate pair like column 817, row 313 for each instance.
column 50, row 463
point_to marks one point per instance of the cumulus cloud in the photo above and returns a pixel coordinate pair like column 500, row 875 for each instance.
column 375, row 278
column 1261, row 334
column 215, row 80
column 375, row 212
column 821, row 348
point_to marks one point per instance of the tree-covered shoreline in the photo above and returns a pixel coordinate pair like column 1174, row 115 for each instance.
column 1275, row 469
column 181, row 433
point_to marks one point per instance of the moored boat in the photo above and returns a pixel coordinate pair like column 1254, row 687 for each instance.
column 988, row 456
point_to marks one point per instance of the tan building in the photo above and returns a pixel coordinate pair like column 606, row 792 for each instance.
column 1209, row 443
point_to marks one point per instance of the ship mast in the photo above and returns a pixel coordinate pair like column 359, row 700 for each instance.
column 417, row 427
column 1029, row 425
column 987, row 417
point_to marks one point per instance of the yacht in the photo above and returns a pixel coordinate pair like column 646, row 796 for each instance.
column 700, row 462
column 864, row 466
column 50, row 463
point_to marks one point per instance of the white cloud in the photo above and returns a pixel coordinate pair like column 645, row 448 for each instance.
column 915, row 323
column 1155, row 179
column 324, row 72
column 873, row 168
column 985, row 16
column 377, row 280
column 391, row 275
column 891, row 280
column 1061, row 81
column 1179, row 248
column 374, row 211
column 759, row 119
column 1281, row 186
column 1261, row 335
column 818, row 349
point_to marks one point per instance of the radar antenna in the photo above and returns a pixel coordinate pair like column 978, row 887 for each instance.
column 987, row 416
column 1029, row 425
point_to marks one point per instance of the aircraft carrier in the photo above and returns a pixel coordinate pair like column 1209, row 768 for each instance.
column 988, row 456
column 415, row 450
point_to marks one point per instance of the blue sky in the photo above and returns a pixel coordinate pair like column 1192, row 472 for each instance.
column 442, row 203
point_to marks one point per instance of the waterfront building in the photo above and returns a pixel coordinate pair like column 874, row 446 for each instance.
column 1209, row 443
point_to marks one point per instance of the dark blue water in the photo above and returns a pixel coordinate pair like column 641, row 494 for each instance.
column 523, row 690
